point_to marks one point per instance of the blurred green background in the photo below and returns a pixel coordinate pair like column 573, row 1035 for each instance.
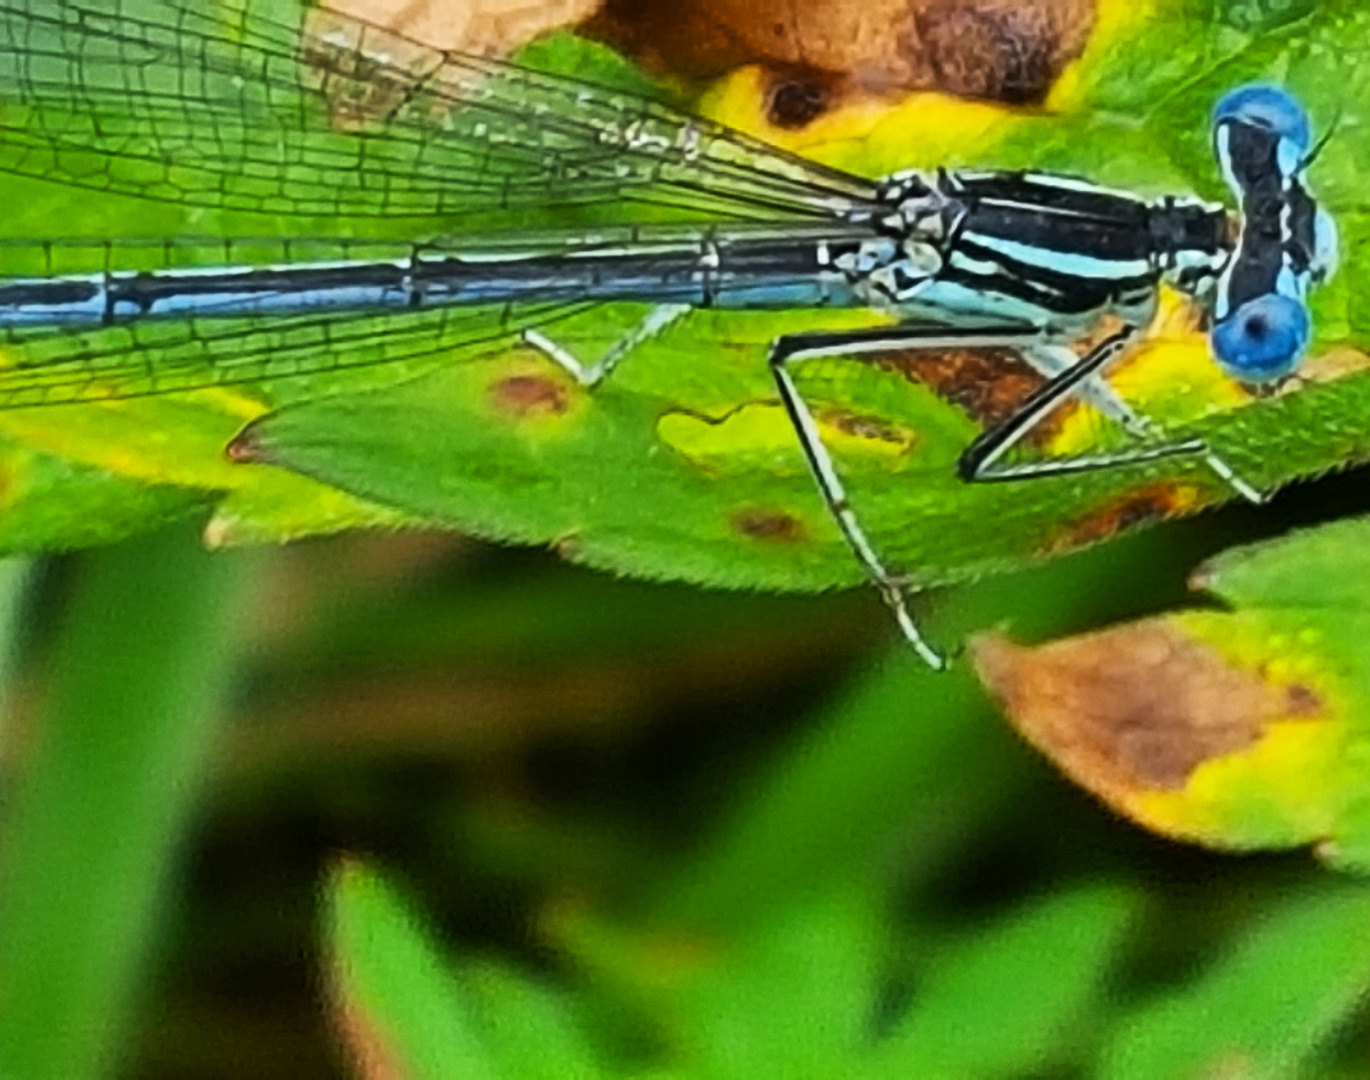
column 408, row 806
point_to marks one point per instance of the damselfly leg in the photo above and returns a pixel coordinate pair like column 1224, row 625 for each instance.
column 983, row 459
column 592, row 374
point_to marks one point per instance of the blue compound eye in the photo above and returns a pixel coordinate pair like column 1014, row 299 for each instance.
column 1264, row 106
column 1262, row 340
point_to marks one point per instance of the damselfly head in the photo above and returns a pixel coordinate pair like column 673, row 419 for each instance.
column 1287, row 243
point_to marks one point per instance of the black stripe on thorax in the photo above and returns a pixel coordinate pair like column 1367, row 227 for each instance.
column 1067, row 234
column 1060, row 195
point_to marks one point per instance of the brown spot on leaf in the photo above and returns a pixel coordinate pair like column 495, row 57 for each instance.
column 986, row 384
column 1303, row 702
column 1155, row 502
column 1006, row 50
column 769, row 525
column 1003, row 52
column 247, row 448
column 865, row 426
column 795, row 99
column 567, row 547
column 1136, row 708
column 524, row 395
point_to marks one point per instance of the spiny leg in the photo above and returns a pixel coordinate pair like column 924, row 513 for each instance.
column 1051, row 359
column 980, row 462
column 796, row 348
column 591, row 375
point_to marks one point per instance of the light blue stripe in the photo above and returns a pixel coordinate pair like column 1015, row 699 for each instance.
column 1080, row 266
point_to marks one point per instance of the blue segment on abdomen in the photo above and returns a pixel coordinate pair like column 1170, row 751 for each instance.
column 673, row 276
column 779, row 297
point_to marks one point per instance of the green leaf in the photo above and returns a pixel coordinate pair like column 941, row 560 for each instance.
column 1267, row 1008
column 39, row 492
column 405, row 1007
column 401, row 1006
column 792, row 1000
column 1008, row 999
column 144, row 660
column 531, row 1029
column 798, row 995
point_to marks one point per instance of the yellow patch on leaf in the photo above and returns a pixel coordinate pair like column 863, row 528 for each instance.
column 279, row 506
column 921, row 130
column 763, row 430
column 1257, row 797
column 1169, row 376
column 179, row 439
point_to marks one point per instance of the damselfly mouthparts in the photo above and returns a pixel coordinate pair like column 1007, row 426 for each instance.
column 169, row 102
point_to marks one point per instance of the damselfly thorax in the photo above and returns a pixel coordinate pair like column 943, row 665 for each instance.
column 1043, row 250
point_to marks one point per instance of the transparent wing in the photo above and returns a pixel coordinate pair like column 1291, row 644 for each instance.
column 146, row 359
column 263, row 106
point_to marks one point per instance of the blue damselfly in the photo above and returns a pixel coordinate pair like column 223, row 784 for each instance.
column 169, row 102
